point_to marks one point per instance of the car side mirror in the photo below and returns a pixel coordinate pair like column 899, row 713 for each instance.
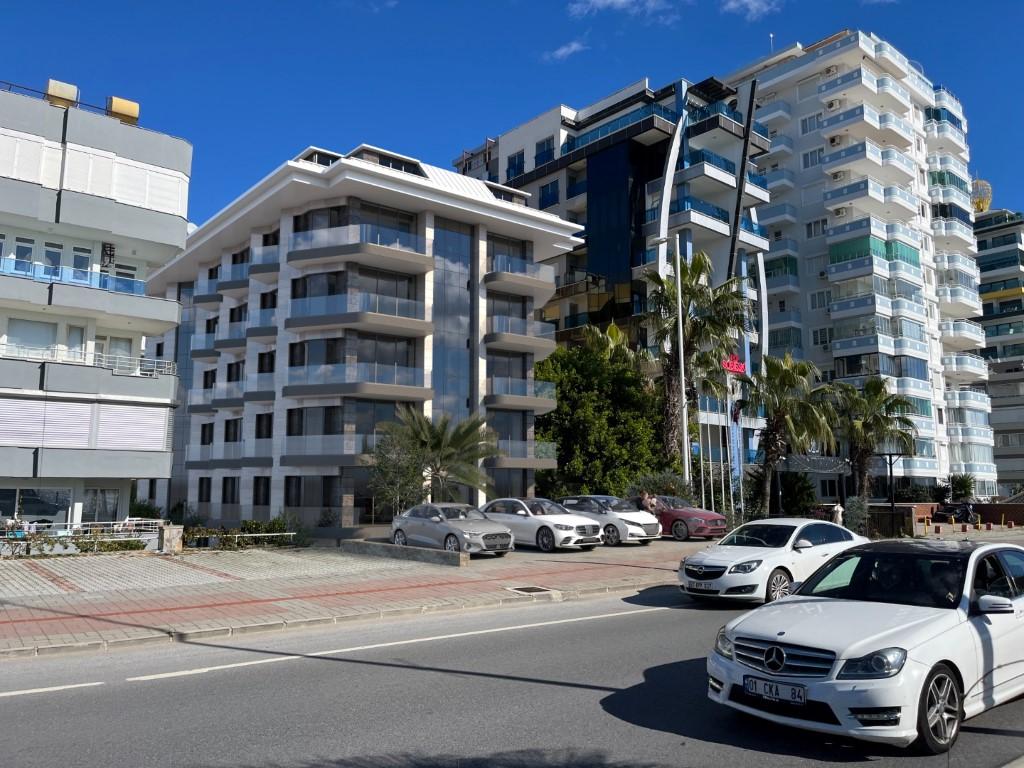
column 435, row 519
column 802, row 544
column 994, row 604
column 521, row 512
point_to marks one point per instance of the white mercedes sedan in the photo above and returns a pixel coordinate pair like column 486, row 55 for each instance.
column 544, row 524
column 895, row 642
column 761, row 559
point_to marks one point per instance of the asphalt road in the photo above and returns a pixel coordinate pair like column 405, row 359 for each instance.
column 606, row 683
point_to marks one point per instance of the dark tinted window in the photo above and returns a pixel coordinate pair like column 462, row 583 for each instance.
column 1014, row 562
column 820, row 533
column 927, row 579
column 991, row 579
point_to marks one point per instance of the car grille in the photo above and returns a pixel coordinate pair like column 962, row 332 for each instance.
column 705, row 573
column 587, row 530
column 814, row 711
column 497, row 540
column 799, row 661
column 651, row 529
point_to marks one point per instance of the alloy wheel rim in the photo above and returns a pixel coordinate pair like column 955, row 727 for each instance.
column 779, row 586
column 679, row 529
column 612, row 534
column 400, row 538
column 546, row 539
column 943, row 709
column 451, row 544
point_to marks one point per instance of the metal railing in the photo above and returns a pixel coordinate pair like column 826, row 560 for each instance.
column 46, row 273
column 132, row 527
column 120, row 364
column 371, row 234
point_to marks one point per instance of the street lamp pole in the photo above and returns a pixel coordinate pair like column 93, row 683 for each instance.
column 683, row 406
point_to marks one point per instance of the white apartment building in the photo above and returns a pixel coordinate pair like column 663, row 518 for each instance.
column 337, row 288
column 872, row 264
column 90, row 204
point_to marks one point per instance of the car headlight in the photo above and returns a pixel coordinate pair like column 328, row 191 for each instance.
column 698, row 521
column 563, row 527
column 635, row 525
column 723, row 645
column 884, row 663
column 747, row 567
column 468, row 534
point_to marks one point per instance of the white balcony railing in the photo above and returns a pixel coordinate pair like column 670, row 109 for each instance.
column 120, row 364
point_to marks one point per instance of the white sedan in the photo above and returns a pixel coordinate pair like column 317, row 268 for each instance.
column 544, row 524
column 893, row 642
column 761, row 559
column 619, row 521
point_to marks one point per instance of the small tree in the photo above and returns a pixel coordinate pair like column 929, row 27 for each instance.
column 397, row 475
column 856, row 516
column 961, row 487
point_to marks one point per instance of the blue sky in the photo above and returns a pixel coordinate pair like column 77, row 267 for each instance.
column 251, row 84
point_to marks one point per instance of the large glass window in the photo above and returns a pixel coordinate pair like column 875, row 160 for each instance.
column 384, row 350
column 8, row 501
column 321, row 218
column 261, row 491
column 30, row 334
column 453, row 251
column 44, row 504
column 100, row 505
column 368, row 415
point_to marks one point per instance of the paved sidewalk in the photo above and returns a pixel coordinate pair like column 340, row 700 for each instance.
column 105, row 602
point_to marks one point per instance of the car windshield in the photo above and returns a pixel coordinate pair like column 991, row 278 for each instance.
column 544, row 507
column 607, row 502
column 626, row 505
column 674, row 501
column 929, row 580
column 461, row 513
column 759, row 535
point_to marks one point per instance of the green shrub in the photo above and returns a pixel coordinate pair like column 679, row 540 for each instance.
column 144, row 509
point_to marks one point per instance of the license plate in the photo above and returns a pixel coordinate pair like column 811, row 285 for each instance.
column 695, row 585
column 772, row 691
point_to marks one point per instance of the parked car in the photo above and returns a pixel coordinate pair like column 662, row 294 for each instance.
column 455, row 527
column 893, row 642
column 956, row 513
column 544, row 524
column 618, row 525
column 760, row 560
column 681, row 518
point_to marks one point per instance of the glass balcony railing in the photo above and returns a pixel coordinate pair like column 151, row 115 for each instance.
column 263, row 318
column 260, row 382
column 234, row 272
column 575, row 142
column 312, row 306
column 371, row 234
column 747, row 225
column 517, row 266
column 757, row 179
column 350, row 373
column 232, row 330
column 691, row 204
column 544, row 156
column 330, row 445
column 709, row 157
column 519, row 326
column 527, row 449
column 203, row 340
column 783, row 244
column 45, row 273
column 224, row 390
column 781, row 143
column 575, row 189
column 500, row 385
column 266, row 254
column 780, row 176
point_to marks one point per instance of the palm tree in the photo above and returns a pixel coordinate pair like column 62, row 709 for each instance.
column 713, row 317
column 870, row 418
column 797, row 413
column 613, row 345
column 452, row 452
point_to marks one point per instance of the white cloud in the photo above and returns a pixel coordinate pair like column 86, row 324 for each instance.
column 563, row 52
column 633, row 7
column 751, row 9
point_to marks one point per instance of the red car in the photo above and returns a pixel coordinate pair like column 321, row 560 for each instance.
column 682, row 520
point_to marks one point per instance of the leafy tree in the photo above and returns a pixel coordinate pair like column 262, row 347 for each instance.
column 713, row 317
column 606, row 422
column 962, row 486
column 613, row 344
column 451, row 453
column 871, row 418
column 797, row 413
column 396, row 478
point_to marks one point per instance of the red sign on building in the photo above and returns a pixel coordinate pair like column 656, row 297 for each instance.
column 734, row 364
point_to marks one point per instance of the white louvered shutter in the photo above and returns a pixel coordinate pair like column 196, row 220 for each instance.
column 66, row 425
column 21, row 422
column 132, row 428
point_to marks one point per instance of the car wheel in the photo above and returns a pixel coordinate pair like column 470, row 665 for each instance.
column 545, row 540
column 680, row 531
column 399, row 538
column 939, row 711
column 778, row 585
column 611, row 535
column 451, row 543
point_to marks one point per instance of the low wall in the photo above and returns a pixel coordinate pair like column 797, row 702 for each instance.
column 419, row 554
column 997, row 513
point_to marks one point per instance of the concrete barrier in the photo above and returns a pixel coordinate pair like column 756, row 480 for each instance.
column 418, row 554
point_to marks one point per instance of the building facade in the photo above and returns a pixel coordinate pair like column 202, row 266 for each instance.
column 1000, row 236
column 604, row 167
column 338, row 288
column 90, row 205
column 872, row 262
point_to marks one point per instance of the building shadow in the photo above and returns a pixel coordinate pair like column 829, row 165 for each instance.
column 669, row 596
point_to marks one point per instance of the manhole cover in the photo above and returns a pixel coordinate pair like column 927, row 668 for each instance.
column 528, row 590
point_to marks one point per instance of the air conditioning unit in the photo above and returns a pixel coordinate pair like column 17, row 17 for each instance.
column 825, row 347
column 839, row 213
column 833, row 105
column 835, row 141
column 838, row 175
column 823, row 274
column 832, row 70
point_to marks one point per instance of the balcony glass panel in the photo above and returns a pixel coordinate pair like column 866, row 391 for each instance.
column 372, row 234
column 519, row 326
column 347, row 373
column 521, row 387
column 575, row 142
column 312, row 306
column 45, row 273
column 504, row 263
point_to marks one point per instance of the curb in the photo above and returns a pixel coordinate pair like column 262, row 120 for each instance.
column 1018, row 763
column 373, row 614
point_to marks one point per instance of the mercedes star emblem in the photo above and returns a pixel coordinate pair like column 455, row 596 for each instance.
column 774, row 659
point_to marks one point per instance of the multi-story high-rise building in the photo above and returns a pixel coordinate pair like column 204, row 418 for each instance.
column 1000, row 236
column 90, row 204
column 872, row 250
column 338, row 288
column 604, row 166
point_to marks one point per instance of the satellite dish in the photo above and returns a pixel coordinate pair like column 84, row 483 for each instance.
column 981, row 195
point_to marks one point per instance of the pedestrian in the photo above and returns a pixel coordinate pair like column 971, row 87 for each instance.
column 648, row 502
column 837, row 514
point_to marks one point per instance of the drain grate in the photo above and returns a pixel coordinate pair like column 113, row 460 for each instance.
column 528, row 590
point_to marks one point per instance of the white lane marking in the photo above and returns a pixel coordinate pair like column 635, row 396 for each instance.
column 27, row 691
column 392, row 644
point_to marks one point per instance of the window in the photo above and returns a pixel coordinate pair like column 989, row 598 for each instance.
column 812, row 158
column 1014, row 563
column 261, row 491
column 204, row 489
column 23, row 254
column 236, row 371
column 294, row 422
column 545, row 151
column 821, row 336
column 549, row 194
column 211, row 324
column 76, row 342
column 264, row 426
column 233, row 430
column 44, row 503
column 206, row 434
column 30, row 334
column 296, row 354
column 816, row 228
column 242, row 257
column 81, row 260
column 320, row 284
column 829, row 488
column 229, row 490
column 209, row 378
column 809, row 124
column 268, row 300
column 516, row 165
column 213, row 273
column 321, row 218
column 238, row 314
column 265, row 362
column 159, row 346
column 821, row 299
column 293, row 491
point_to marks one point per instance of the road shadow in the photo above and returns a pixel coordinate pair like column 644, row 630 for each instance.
column 669, row 596
column 527, row 758
column 673, row 699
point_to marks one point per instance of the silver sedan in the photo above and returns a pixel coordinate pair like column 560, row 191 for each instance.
column 454, row 527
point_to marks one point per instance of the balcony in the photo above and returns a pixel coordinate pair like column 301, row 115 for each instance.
column 359, row 380
column 753, row 234
column 945, row 98
column 968, row 398
column 862, row 304
column 203, row 346
column 884, row 92
column 961, row 334
column 370, row 312
column 262, row 324
column 782, row 282
column 216, row 452
column 873, row 197
column 951, row 234
column 44, row 273
column 895, row 61
column 866, row 158
column 260, row 386
column 370, row 244
column 943, row 136
column 576, row 189
column 864, row 122
column 520, row 277
column 524, row 454
column 903, row 306
column 947, row 162
column 774, row 112
column 871, row 225
column 228, row 394
column 869, row 264
column 649, row 110
column 520, row 394
column 781, row 213
column 785, row 246
column 517, row 334
column 234, row 280
column 969, row 433
column 344, row 450
column 119, row 365
column 787, row 317
column 965, row 367
column 544, row 156
column 707, row 222
column 780, row 180
column 265, row 255
column 781, row 146
column 231, row 336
